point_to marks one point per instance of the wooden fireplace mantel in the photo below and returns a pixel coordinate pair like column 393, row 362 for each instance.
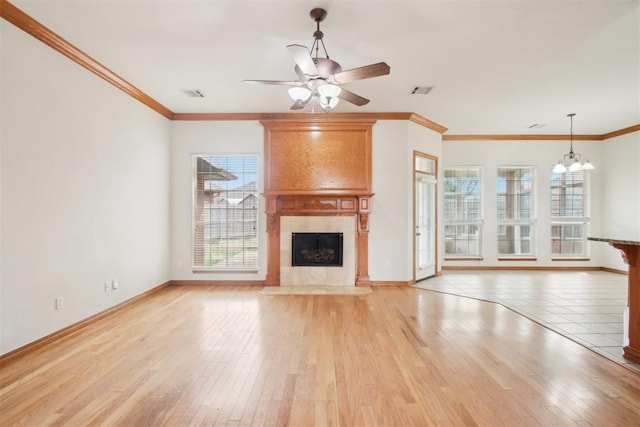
column 326, row 205
column 318, row 169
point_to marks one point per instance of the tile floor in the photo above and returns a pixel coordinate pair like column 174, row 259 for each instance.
column 586, row 307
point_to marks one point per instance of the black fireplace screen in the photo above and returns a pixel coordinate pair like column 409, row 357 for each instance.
column 316, row 249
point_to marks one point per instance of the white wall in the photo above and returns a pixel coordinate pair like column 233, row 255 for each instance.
column 191, row 138
column 388, row 221
column 84, row 192
column 542, row 155
column 391, row 221
column 621, row 195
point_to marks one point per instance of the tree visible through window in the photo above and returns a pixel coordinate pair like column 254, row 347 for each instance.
column 568, row 214
column 515, row 211
column 462, row 212
column 225, row 212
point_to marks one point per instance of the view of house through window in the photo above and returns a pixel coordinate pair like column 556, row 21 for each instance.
column 225, row 212
column 515, row 211
column 462, row 212
column 569, row 218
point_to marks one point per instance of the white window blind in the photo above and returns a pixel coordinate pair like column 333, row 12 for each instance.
column 225, row 212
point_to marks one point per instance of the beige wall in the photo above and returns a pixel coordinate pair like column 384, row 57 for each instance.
column 620, row 194
column 84, row 192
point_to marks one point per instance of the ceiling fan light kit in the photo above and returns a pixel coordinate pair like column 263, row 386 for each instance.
column 320, row 78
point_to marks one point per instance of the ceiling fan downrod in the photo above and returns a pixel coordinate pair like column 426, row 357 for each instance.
column 318, row 15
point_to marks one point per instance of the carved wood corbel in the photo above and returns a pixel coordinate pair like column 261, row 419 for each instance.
column 363, row 223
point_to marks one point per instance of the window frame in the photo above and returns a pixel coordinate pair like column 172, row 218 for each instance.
column 584, row 220
column 245, row 266
column 478, row 222
column 518, row 222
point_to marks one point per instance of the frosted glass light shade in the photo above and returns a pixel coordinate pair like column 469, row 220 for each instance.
column 575, row 166
column 559, row 167
column 299, row 93
column 587, row 165
column 329, row 91
column 328, row 103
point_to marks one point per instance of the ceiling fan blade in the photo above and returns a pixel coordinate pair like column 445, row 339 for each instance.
column 273, row 82
column 360, row 73
column 303, row 59
column 351, row 97
column 298, row 106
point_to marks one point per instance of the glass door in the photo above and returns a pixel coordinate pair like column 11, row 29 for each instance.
column 425, row 216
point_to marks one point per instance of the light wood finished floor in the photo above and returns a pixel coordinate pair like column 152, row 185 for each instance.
column 399, row 356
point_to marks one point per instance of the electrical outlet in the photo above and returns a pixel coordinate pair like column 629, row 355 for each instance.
column 114, row 284
column 106, row 286
column 59, row 303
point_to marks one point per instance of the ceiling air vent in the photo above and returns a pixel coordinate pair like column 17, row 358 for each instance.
column 193, row 93
column 421, row 90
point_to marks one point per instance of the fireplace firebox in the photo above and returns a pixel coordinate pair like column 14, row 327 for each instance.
column 316, row 249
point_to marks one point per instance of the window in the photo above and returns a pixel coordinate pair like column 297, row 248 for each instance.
column 462, row 212
column 515, row 211
column 225, row 212
column 569, row 218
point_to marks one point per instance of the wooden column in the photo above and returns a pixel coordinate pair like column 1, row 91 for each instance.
column 631, row 255
column 362, row 263
column 273, row 243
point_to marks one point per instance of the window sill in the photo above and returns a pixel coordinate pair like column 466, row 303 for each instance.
column 571, row 259
column 222, row 270
column 464, row 259
column 518, row 259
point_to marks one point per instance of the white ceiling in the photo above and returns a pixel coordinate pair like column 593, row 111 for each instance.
column 497, row 67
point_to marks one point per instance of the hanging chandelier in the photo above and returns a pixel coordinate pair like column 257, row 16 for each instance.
column 571, row 161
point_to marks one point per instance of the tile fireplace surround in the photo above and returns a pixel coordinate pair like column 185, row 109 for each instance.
column 328, row 276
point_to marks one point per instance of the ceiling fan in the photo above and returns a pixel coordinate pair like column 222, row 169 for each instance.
column 320, row 78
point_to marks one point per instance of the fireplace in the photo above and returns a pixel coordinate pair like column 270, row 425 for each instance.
column 316, row 249
column 318, row 180
column 315, row 274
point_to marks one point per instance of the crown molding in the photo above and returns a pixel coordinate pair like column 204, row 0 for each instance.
column 546, row 137
column 302, row 116
column 29, row 25
column 619, row 132
column 521, row 137
column 412, row 117
column 423, row 121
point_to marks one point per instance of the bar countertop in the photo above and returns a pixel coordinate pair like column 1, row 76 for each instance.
column 615, row 241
